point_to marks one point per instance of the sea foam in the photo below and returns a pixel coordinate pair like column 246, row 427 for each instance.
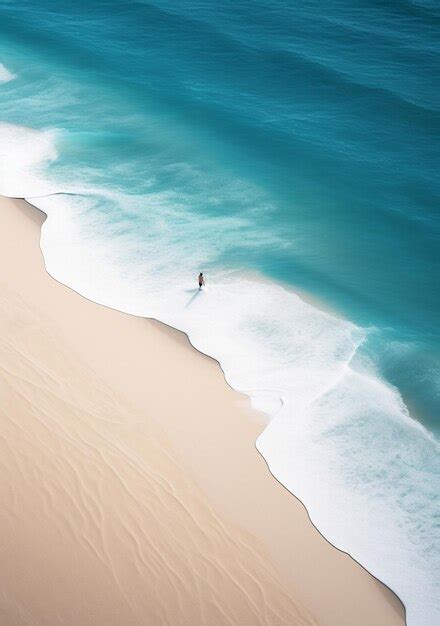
column 5, row 74
column 338, row 436
column 23, row 153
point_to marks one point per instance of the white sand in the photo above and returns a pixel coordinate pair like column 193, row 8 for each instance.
column 132, row 492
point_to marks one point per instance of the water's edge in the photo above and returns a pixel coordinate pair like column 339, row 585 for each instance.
column 394, row 596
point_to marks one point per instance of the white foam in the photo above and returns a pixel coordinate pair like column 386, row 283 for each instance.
column 23, row 153
column 5, row 74
column 340, row 436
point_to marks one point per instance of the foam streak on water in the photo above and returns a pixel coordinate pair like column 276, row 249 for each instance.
column 339, row 436
column 5, row 74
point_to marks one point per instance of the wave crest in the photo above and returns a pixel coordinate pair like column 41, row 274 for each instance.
column 5, row 74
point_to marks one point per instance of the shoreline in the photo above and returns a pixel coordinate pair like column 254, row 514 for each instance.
column 228, row 481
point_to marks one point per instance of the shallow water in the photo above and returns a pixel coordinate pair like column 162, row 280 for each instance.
column 273, row 148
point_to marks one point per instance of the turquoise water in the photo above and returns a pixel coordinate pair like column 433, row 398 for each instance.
column 274, row 146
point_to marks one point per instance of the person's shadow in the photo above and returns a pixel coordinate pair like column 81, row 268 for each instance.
column 193, row 297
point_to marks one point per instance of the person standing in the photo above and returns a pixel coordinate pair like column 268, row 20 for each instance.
column 201, row 280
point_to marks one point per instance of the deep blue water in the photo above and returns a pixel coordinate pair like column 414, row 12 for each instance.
column 296, row 140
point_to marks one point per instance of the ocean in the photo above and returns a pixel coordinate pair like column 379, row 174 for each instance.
column 290, row 152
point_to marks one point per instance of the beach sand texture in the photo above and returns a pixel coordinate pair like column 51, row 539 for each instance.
column 132, row 492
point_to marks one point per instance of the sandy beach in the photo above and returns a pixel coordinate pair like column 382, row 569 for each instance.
column 132, row 492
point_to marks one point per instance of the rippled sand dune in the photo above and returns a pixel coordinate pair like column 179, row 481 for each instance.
column 104, row 519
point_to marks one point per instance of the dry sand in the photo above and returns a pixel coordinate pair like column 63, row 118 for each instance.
column 132, row 493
